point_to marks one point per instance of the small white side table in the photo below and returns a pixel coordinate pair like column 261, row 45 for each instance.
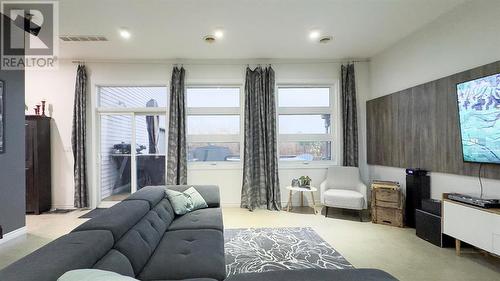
column 301, row 190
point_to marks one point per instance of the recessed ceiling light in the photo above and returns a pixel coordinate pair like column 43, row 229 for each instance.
column 314, row 34
column 219, row 33
column 325, row 39
column 124, row 33
column 209, row 39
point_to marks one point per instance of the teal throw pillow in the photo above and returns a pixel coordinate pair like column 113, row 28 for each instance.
column 187, row 201
column 196, row 198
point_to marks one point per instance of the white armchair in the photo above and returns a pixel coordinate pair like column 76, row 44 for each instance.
column 344, row 189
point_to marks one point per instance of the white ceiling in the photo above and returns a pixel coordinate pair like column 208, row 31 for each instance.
column 170, row 29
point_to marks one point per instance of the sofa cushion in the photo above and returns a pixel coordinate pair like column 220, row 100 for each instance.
column 140, row 242
column 117, row 219
column 165, row 211
column 116, row 262
column 76, row 250
column 210, row 218
column 151, row 194
column 209, row 192
column 184, row 254
column 315, row 275
column 342, row 198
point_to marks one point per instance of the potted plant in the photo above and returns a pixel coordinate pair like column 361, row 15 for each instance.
column 305, row 181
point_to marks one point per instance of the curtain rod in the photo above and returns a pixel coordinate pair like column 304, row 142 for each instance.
column 218, row 62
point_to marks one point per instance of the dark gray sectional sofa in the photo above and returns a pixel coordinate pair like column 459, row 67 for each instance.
column 141, row 237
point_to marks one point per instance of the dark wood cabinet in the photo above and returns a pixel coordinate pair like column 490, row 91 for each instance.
column 38, row 179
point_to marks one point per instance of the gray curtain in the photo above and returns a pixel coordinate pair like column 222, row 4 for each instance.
column 177, row 157
column 260, row 160
column 153, row 127
column 349, row 116
column 78, row 139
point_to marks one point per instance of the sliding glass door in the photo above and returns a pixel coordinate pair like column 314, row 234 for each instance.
column 115, row 156
column 132, row 140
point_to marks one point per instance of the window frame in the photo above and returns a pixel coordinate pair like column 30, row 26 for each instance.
column 336, row 125
column 214, row 138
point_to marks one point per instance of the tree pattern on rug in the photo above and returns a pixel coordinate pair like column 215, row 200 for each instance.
column 268, row 249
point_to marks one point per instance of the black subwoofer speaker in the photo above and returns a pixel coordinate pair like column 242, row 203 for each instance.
column 418, row 187
column 429, row 228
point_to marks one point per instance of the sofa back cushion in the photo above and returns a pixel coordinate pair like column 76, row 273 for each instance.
column 76, row 250
column 165, row 211
column 118, row 219
column 139, row 243
column 151, row 194
column 137, row 224
column 116, row 262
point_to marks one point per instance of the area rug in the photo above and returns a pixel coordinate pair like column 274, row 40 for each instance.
column 268, row 249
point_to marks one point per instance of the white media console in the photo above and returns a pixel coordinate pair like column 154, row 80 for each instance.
column 473, row 225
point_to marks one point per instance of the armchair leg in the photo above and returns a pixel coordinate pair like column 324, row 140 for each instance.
column 326, row 212
column 361, row 215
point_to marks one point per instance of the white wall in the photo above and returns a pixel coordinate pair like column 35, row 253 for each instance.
column 57, row 87
column 462, row 39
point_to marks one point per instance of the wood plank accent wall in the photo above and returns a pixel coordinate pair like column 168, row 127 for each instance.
column 419, row 127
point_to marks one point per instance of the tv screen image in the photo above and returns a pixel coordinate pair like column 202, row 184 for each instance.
column 479, row 110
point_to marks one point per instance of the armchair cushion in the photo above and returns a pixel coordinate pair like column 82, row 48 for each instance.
column 343, row 177
column 341, row 198
column 343, row 188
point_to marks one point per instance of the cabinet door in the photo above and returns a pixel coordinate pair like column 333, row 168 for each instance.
column 31, row 198
column 469, row 225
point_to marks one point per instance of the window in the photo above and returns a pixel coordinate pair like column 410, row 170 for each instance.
column 132, row 97
column 305, row 121
column 213, row 97
column 304, row 97
column 304, row 124
column 213, row 124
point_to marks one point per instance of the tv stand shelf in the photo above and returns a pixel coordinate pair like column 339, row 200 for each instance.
column 473, row 225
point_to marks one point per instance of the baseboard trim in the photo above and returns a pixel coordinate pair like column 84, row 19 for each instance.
column 62, row 207
column 230, row 205
column 14, row 234
column 107, row 204
column 283, row 204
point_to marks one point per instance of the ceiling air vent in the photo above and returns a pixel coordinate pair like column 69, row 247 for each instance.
column 82, row 38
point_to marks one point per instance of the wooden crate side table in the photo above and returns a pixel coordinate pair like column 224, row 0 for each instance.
column 387, row 204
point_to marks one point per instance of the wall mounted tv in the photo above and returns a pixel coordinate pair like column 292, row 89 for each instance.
column 479, row 110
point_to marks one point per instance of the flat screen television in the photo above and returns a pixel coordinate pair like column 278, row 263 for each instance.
column 479, row 110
